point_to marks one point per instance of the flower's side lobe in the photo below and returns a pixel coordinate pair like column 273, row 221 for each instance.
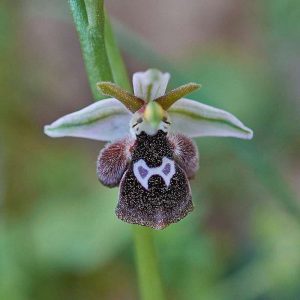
column 197, row 119
column 105, row 120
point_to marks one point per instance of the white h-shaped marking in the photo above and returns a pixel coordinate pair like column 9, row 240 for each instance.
column 143, row 173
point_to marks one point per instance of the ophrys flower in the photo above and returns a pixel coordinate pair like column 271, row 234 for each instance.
column 151, row 156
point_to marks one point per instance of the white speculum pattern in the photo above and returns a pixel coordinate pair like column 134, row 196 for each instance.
column 143, row 173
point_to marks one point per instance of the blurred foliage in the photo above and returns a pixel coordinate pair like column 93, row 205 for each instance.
column 59, row 237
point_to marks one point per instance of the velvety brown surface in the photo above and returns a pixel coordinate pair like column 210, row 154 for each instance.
column 160, row 205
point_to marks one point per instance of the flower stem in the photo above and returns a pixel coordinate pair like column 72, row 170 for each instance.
column 147, row 265
column 89, row 19
column 104, row 63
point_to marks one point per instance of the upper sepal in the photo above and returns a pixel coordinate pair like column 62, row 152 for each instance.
column 150, row 84
column 105, row 120
column 196, row 119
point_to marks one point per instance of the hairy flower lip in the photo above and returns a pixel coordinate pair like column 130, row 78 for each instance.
column 108, row 119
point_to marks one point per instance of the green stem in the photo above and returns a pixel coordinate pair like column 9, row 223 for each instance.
column 116, row 61
column 89, row 19
column 103, row 62
column 147, row 265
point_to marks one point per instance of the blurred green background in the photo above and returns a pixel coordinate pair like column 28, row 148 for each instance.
column 59, row 237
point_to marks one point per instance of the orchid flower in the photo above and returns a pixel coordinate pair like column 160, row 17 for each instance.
column 151, row 156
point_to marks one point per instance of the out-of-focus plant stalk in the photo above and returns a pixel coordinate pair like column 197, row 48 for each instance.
column 115, row 59
column 89, row 19
column 104, row 63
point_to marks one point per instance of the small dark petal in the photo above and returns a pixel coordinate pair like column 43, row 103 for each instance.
column 185, row 153
column 113, row 161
